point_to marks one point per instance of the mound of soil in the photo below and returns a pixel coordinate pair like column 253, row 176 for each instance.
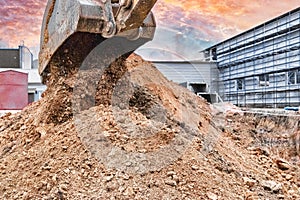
column 128, row 133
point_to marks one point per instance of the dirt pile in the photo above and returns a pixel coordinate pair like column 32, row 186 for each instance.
column 271, row 133
column 142, row 138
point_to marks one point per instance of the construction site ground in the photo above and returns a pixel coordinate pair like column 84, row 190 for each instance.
column 63, row 148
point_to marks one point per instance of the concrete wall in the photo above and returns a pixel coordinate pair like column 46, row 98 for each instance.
column 189, row 72
column 199, row 77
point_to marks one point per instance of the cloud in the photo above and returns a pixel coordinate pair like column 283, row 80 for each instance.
column 3, row 44
column 202, row 21
column 170, row 44
column 21, row 21
column 216, row 20
column 205, row 22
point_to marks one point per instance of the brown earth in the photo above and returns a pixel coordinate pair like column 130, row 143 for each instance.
column 141, row 137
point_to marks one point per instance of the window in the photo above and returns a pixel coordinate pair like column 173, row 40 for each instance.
column 298, row 76
column 264, row 77
column 240, row 84
column 264, row 80
column 293, row 77
column 30, row 97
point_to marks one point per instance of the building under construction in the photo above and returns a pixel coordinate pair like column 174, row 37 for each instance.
column 261, row 67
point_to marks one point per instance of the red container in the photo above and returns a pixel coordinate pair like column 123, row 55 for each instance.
column 13, row 90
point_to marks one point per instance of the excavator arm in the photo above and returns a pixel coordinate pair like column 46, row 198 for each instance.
column 68, row 23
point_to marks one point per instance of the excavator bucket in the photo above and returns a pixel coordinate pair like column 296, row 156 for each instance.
column 76, row 27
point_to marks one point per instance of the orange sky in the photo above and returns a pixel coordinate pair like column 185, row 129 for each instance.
column 206, row 20
column 217, row 20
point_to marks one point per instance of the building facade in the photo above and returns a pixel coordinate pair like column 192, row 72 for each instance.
column 261, row 67
column 20, row 60
column 197, row 76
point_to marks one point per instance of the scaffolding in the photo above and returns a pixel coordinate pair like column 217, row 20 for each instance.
column 261, row 67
